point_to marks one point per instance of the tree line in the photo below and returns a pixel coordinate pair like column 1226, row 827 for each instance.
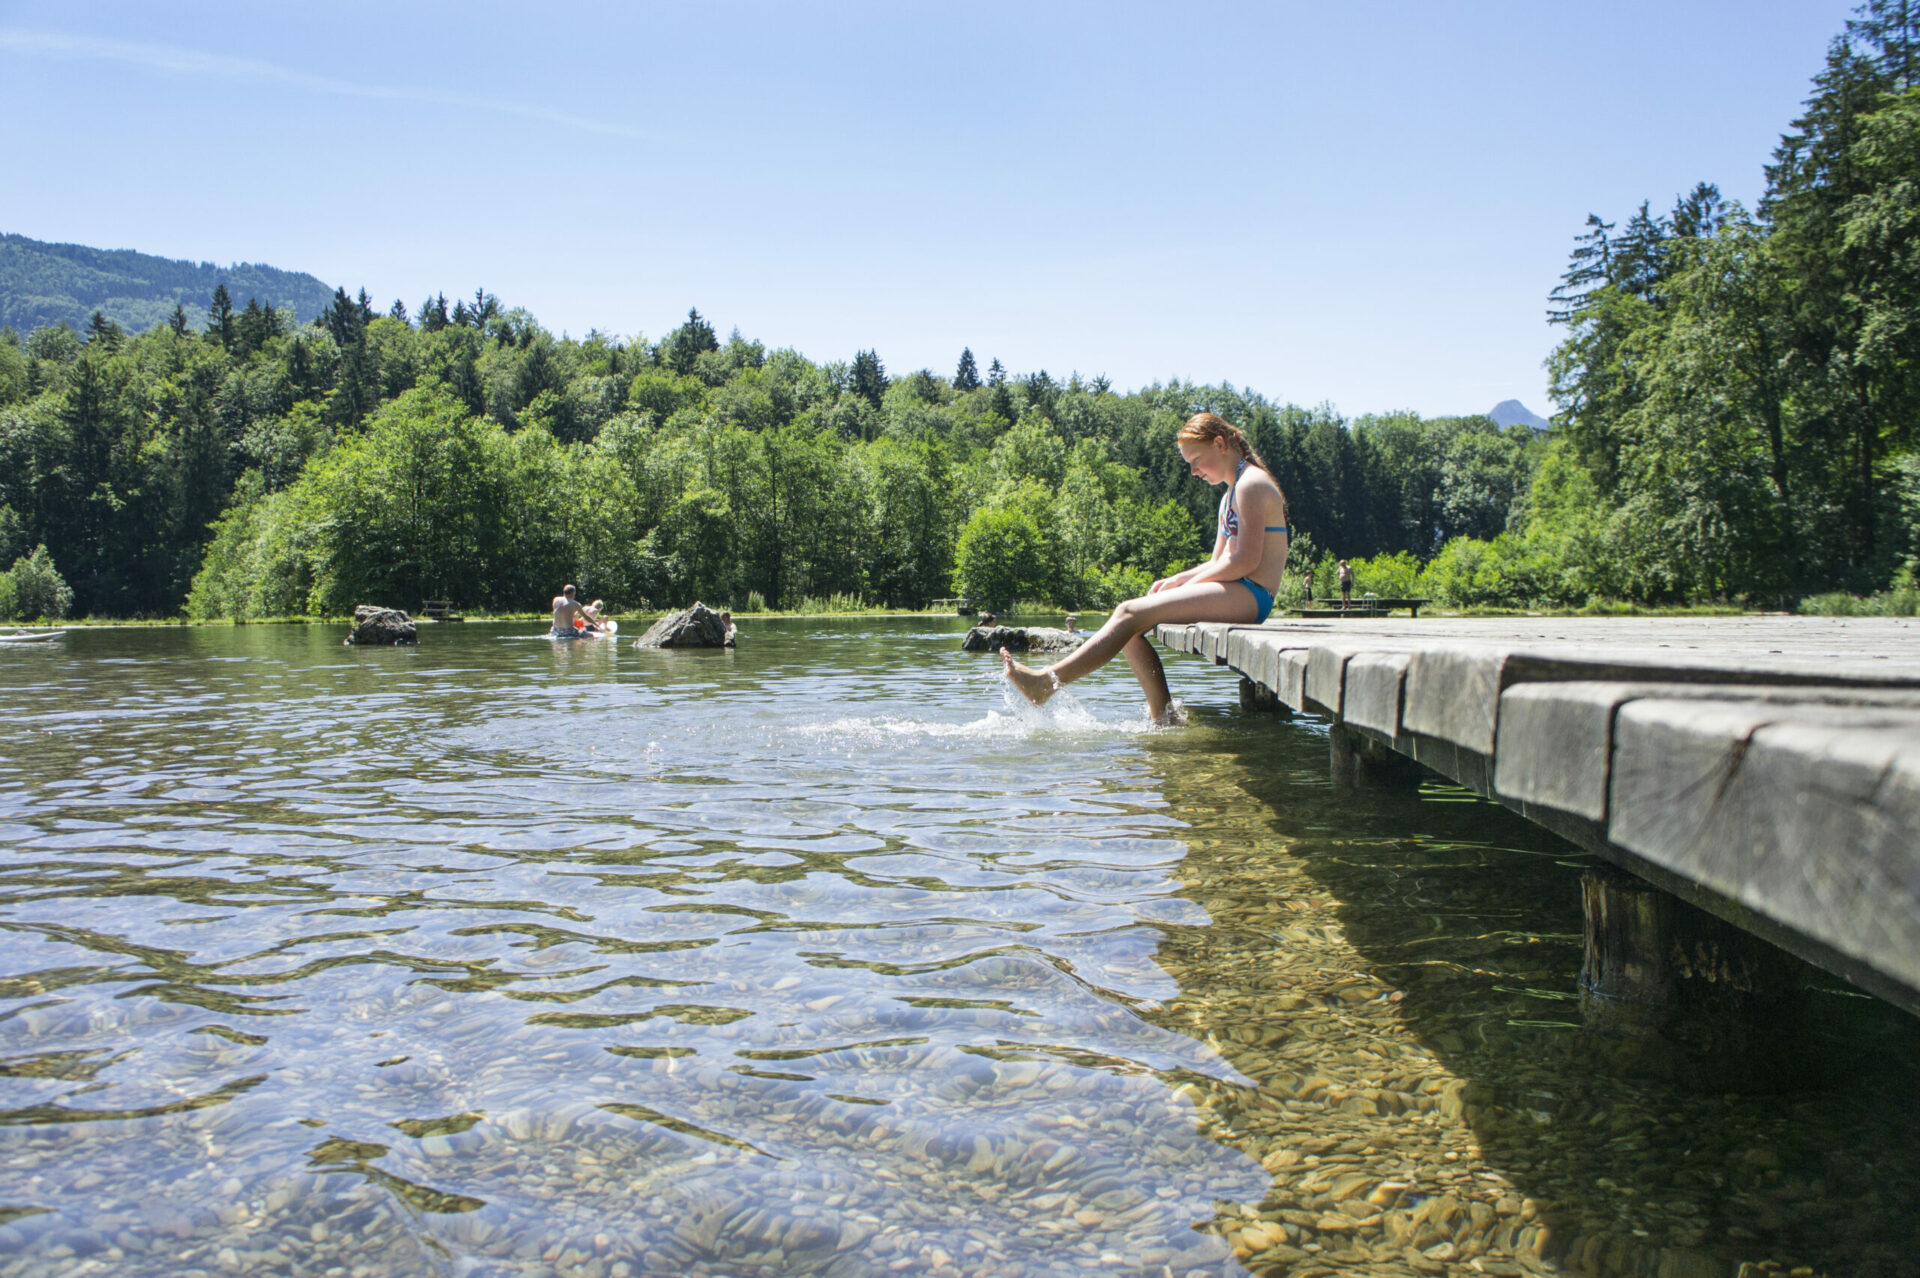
column 238, row 465
column 1738, row 391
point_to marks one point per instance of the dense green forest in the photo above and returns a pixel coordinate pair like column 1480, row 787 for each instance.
column 44, row 284
column 246, row 467
column 1738, row 392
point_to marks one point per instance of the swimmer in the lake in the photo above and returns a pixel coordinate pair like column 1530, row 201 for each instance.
column 1236, row 584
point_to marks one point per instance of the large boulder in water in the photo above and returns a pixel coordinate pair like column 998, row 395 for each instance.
column 374, row 624
column 697, row 627
column 1019, row 639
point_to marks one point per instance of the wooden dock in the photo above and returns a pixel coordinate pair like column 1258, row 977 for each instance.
column 1766, row 769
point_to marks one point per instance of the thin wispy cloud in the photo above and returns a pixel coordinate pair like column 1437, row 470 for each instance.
column 192, row 62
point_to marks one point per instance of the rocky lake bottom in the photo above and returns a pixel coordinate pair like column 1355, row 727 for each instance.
column 500, row 957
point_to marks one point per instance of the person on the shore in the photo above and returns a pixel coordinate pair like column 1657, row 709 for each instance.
column 1345, row 576
column 1237, row 583
column 567, row 611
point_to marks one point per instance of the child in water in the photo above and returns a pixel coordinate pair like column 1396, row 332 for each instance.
column 1236, row 583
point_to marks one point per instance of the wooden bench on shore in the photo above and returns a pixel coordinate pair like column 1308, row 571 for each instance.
column 437, row 610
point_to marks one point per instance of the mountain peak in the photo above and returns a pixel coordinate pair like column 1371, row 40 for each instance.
column 1511, row 412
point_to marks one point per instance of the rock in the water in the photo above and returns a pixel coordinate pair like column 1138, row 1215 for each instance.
column 374, row 624
column 1019, row 639
column 697, row 627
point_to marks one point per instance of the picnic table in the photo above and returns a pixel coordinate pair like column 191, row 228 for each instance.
column 1371, row 606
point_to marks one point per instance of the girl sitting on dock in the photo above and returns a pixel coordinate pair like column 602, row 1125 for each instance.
column 1236, row 583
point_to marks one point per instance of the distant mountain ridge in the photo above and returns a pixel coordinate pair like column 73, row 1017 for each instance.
column 42, row 283
column 1511, row 412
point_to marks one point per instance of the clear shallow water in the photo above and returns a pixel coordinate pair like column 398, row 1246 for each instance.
column 497, row 956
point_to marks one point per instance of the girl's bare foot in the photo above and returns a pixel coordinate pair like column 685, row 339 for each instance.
column 1035, row 685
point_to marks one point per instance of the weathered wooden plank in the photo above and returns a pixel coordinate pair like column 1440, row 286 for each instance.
column 1255, row 653
column 1804, row 814
column 1292, row 673
column 1556, row 739
column 1326, row 674
column 1474, row 771
column 1180, row 638
column 1556, row 744
column 1453, row 693
column 1372, row 689
column 1243, row 654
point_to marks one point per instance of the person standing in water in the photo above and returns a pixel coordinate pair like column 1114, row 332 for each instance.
column 565, row 609
column 1237, row 583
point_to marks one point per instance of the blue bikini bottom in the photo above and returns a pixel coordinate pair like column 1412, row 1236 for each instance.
column 1262, row 598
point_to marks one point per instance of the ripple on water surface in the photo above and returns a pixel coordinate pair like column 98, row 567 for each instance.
column 503, row 957
column 447, row 957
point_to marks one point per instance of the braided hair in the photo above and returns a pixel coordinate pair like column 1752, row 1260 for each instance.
column 1204, row 428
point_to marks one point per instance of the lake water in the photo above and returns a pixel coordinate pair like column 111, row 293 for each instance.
column 495, row 956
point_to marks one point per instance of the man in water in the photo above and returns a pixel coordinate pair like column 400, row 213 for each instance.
column 565, row 609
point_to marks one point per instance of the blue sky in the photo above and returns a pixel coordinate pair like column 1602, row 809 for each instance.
column 1356, row 203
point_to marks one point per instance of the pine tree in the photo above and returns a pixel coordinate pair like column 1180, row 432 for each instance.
column 1892, row 29
column 996, row 374
column 1000, row 399
column 1041, row 393
column 869, row 377
column 397, row 311
column 967, row 376
column 344, row 319
column 433, row 313
column 686, row 344
column 1640, row 253
column 220, row 317
column 247, row 329
column 1811, row 174
column 1698, row 214
column 178, row 320
column 256, row 326
column 104, row 331
column 1815, row 178
column 1591, row 266
column 485, row 309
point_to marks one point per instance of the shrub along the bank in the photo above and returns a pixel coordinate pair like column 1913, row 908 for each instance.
column 34, row 590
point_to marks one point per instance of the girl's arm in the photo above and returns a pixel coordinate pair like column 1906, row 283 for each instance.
column 1240, row 556
column 1192, row 574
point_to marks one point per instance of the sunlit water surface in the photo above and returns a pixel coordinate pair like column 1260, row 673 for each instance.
column 495, row 956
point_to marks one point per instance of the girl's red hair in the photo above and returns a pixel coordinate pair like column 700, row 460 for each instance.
column 1204, row 428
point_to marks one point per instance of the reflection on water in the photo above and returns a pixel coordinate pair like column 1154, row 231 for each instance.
column 503, row 957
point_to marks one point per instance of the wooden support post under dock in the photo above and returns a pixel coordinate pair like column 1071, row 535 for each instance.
column 1763, row 769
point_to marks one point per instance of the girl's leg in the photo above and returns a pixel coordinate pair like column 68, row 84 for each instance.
column 1153, row 679
column 1203, row 601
